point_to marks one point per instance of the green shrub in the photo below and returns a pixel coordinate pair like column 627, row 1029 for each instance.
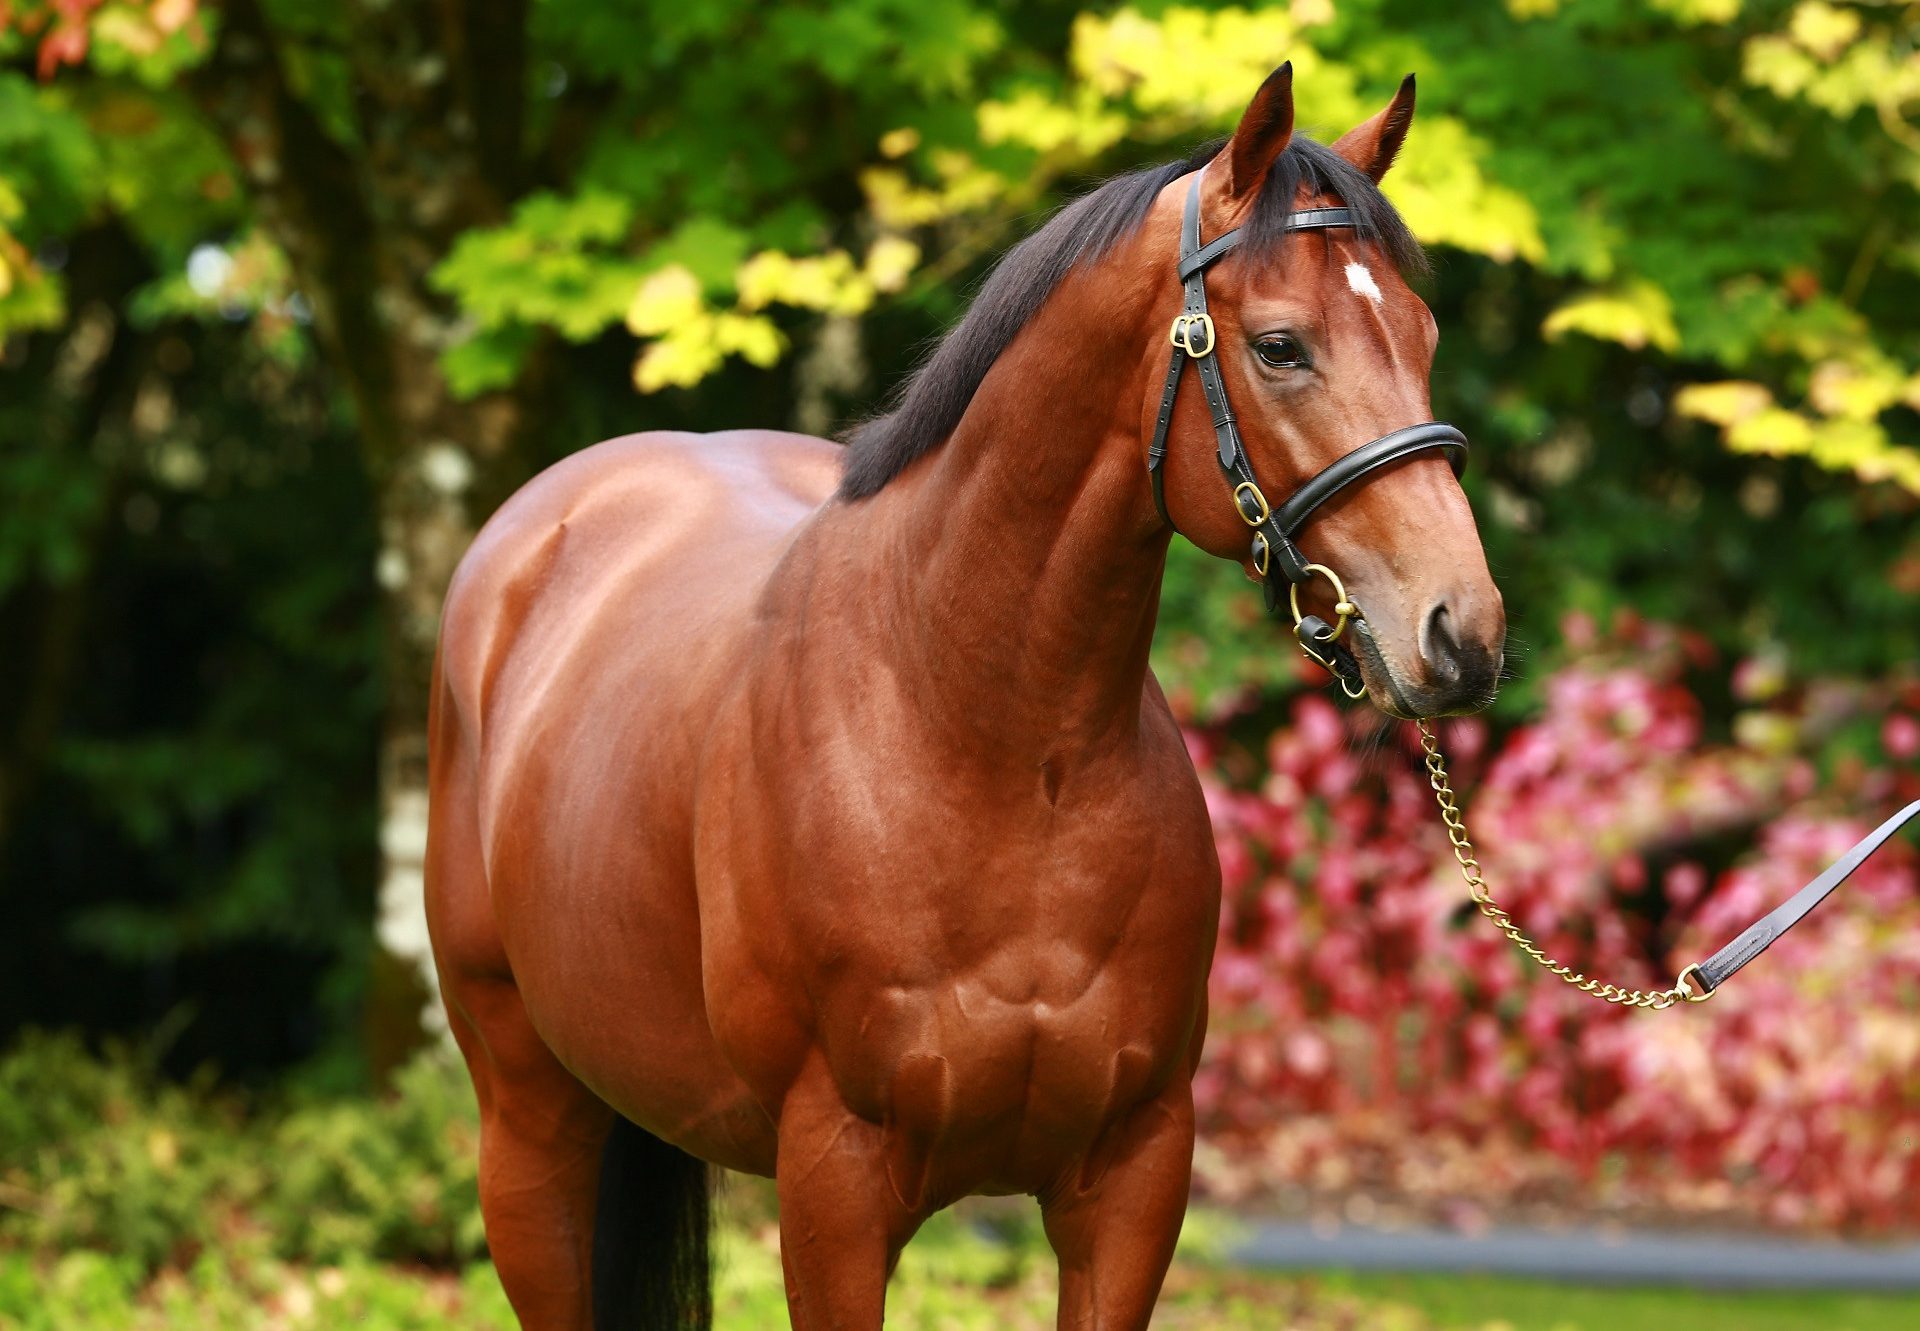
column 99, row 1153
column 394, row 1178
column 90, row 1291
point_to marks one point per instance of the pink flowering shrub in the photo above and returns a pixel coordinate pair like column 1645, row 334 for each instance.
column 1374, row 1038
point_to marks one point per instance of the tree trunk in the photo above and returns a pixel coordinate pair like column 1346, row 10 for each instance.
column 428, row 516
column 439, row 98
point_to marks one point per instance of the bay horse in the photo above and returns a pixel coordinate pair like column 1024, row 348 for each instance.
column 811, row 811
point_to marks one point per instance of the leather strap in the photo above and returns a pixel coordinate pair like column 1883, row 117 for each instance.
column 1274, row 551
column 1317, row 219
column 1203, row 258
column 1387, row 449
column 1306, row 219
column 1281, row 556
column 1157, row 450
column 1716, row 969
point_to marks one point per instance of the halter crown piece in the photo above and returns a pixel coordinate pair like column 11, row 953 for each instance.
column 1277, row 558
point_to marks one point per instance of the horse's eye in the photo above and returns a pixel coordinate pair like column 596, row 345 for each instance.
column 1281, row 352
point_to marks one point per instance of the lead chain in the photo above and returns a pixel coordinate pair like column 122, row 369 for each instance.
column 1477, row 889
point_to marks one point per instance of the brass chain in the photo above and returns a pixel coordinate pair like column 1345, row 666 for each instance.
column 1477, row 889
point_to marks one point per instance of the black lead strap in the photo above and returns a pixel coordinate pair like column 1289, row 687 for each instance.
column 1715, row 970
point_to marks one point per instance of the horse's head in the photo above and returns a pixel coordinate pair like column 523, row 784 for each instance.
column 1322, row 347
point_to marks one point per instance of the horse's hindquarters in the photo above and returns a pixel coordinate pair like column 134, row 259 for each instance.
column 587, row 640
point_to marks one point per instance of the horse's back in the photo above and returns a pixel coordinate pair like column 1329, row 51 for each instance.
column 625, row 561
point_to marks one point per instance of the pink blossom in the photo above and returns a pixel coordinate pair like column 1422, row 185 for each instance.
column 1346, row 975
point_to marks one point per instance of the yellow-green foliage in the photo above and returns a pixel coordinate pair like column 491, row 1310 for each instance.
column 1767, row 175
column 1715, row 183
column 1180, row 73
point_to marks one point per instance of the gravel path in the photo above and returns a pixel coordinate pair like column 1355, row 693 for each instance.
column 1593, row 1257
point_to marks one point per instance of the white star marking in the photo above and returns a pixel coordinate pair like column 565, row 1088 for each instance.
column 1360, row 278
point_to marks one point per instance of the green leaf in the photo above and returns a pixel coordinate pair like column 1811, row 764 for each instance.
column 488, row 358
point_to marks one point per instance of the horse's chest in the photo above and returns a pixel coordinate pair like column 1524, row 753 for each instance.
column 1019, row 1023
column 994, row 977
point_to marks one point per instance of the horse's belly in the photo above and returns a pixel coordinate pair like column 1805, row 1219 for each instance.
column 608, row 967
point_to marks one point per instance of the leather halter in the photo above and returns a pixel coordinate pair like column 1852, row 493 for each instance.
column 1275, row 555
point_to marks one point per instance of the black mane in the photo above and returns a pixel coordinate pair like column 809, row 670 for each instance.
column 925, row 409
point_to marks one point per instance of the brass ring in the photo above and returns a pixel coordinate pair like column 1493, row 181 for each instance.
column 1343, row 608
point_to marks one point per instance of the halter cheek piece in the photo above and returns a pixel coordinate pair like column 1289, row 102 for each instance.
column 1275, row 555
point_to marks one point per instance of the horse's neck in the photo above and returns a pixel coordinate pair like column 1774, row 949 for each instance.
column 1028, row 561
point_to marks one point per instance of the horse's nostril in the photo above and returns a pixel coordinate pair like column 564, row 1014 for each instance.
column 1438, row 647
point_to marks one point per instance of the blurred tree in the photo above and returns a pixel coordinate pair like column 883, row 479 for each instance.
column 406, row 183
column 183, row 815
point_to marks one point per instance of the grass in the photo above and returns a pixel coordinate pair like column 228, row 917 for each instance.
column 986, row 1271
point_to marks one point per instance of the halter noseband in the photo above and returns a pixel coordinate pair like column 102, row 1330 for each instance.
column 1275, row 555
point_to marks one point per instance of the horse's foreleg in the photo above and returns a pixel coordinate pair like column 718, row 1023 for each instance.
column 842, row 1225
column 1114, row 1222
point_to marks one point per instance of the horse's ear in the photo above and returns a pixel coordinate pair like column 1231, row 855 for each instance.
column 1263, row 134
column 1373, row 145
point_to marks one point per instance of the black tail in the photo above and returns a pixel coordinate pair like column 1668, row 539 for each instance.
column 651, row 1270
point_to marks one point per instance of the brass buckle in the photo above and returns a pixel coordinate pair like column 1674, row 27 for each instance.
column 1181, row 334
column 1258, row 498
column 1343, row 609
